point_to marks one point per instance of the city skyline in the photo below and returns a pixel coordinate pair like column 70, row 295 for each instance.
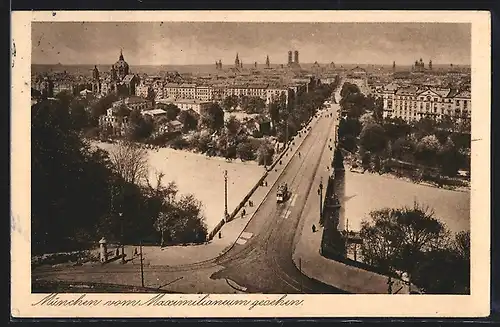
column 194, row 43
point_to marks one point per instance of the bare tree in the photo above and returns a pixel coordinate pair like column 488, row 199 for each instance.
column 131, row 162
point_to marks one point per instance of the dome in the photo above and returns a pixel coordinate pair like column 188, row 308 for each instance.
column 121, row 63
column 121, row 66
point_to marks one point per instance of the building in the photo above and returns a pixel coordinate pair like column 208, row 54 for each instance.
column 188, row 104
column 143, row 90
column 357, row 72
column 120, row 80
column 115, row 121
column 134, row 103
column 413, row 103
column 204, row 93
column 154, row 113
column 96, row 82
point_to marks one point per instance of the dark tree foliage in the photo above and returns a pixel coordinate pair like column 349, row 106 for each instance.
column 213, row 117
column 230, row 102
column 172, row 111
column 139, row 127
column 189, row 121
column 70, row 183
column 413, row 240
column 373, row 138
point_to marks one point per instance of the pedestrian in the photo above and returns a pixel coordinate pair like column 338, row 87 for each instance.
column 117, row 251
column 244, row 212
column 135, row 252
column 281, row 162
column 220, row 234
column 314, row 228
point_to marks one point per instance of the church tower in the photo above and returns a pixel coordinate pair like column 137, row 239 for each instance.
column 267, row 61
column 96, row 83
column 237, row 63
column 430, row 64
column 393, row 66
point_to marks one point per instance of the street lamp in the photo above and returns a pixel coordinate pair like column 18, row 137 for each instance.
column 225, row 195
column 320, row 192
column 123, row 247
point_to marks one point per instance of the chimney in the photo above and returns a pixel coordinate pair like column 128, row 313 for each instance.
column 289, row 57
column 296, row 57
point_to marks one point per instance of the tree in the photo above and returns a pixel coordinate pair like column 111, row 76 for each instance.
column 187, row 224
column 139, row 127
column 252, row 104
column 168, row 210
column 350, row 127
column 395, row 239
column 230, row 102
column 70, row 182
column 449, row 159
column 213, row 117
column 188, row 119
column 233, row 125
column 78, row 115
column 172, row 111
column 245, row 151
column 378, row 109
column 130, row 161
column 424, row 127
column 265, row 153
column 373, row 138
column 366, row 119
column 446, row 271
column 396, row 128
column 403, row 147
column 274, row 112
column 427, row 150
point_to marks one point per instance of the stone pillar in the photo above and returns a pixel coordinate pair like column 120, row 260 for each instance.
column 103, row 250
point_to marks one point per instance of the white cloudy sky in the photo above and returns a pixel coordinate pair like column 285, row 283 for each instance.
column 202, row 43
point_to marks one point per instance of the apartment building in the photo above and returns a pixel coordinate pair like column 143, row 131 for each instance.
column 413, row 103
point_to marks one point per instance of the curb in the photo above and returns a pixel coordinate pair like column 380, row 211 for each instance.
column 265, row 196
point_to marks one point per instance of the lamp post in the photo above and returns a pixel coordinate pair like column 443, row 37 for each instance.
column 225, row 195
column 123, row 247
column 142, row 269
column 320, row 191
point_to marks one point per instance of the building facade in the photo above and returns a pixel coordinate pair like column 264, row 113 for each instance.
column 413, row 103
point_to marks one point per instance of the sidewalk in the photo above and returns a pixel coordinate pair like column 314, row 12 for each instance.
column 230, row 232
column 337, row 274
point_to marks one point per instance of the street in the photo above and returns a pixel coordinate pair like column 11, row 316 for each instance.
column 261, row 259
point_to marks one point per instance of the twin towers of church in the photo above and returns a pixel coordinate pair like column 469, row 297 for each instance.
column 293, row 59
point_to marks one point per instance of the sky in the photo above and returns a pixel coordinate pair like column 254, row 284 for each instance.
column 185, row 43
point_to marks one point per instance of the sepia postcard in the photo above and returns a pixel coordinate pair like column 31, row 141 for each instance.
column 250, row 164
